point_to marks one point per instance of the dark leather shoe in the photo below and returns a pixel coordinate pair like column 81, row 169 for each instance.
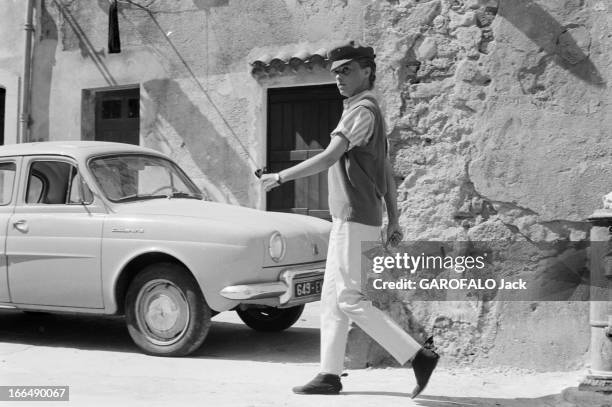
column 423, row 364
column 321, row 384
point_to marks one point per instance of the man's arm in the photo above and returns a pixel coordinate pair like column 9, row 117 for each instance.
column 320, row 162
column 391, row 203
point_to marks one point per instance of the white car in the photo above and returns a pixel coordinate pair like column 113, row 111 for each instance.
column 111, row 228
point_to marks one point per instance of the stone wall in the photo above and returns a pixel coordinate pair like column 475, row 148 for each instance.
column 498, row 113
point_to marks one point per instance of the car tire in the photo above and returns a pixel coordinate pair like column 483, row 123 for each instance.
column 166, row 313
column 270, row 319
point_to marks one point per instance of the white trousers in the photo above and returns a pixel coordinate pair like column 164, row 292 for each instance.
column 342, row 299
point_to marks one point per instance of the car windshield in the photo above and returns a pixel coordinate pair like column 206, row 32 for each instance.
column 133, row 177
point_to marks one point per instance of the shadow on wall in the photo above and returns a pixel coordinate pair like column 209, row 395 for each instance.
column 85, row 45
column 157, row 7
column 209, row 150
column 207, row 4
column 364, row 352
column 569, row 44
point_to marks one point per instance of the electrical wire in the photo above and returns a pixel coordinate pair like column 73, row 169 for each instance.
column 196, row 80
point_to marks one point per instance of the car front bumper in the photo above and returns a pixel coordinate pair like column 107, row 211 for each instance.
column 286, row 291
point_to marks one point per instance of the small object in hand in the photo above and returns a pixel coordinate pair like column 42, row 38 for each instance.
column 429, row 343
column 260, row 171
column 395, row 238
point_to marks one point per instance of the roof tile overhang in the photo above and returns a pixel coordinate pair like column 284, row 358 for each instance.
column 292, row 58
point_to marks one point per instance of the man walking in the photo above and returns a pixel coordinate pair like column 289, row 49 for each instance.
column 359, row 177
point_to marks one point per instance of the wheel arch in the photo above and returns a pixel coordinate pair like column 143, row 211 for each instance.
column 134, row 266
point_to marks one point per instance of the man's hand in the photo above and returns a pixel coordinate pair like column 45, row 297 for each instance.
column 394, row 234
column 269, row 181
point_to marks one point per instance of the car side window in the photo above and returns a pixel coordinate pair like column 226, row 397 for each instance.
column 35, row 188
column 55, row 183
column 7, row 179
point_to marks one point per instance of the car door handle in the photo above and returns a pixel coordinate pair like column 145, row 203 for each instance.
column 21, row 225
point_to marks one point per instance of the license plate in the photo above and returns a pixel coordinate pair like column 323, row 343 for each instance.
column 308, row 288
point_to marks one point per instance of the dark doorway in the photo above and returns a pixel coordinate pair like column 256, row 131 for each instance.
column 299, row 123
column 118, row 116
column 2, row 106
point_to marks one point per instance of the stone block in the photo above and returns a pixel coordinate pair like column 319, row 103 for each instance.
column 462, row 20
column 468, row 37
column 440, row 24
column 472, row 4
column 469, row 71
column 427, row 50
column 431, row 89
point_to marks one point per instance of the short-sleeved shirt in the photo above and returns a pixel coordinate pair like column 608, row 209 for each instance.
column 357, row 181
column 356, row 125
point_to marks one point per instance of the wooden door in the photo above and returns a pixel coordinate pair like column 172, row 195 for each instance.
column 117, row 116
column 300, row 121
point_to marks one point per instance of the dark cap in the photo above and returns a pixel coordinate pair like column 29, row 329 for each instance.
column 348, row 52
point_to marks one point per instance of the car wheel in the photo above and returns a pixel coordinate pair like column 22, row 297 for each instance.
column 166, row 313
column 270, row 319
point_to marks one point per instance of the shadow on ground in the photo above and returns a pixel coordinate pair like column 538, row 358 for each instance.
column 553, row 400
column 234, row 341
column 439, row 401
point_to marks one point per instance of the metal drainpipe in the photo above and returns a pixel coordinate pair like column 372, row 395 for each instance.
column 599, row 378
column 27, row 75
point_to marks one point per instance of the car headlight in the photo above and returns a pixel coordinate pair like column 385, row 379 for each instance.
column 277, row 246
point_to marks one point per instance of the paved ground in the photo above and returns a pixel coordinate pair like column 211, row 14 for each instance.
column 235, row 367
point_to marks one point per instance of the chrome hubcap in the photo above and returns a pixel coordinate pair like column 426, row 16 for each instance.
column 162, row 312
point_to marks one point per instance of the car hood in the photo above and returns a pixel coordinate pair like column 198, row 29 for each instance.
column 248, row 217
column 300, row 231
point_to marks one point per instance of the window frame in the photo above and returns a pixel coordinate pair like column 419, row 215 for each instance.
column 74, row 166
column 43, row 182
column 14, row 161
column 189, row 182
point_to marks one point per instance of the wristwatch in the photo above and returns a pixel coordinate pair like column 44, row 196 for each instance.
column 278, row 178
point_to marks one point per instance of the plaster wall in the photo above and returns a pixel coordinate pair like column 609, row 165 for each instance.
column 12, row 47
column 199, row 102
column 13, row 36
